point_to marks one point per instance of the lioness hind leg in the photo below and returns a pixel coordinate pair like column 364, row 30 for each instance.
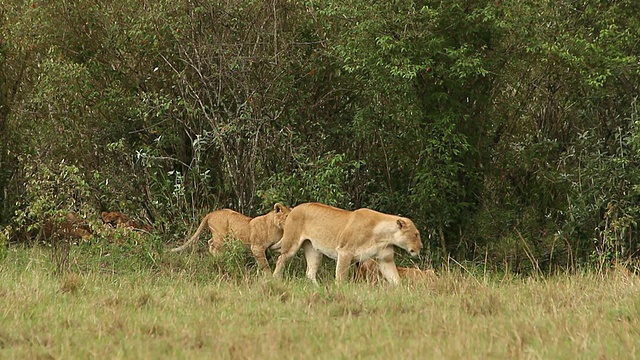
column 280, row 263
column 289, row 245
column 342, row 266
column 282, row 260
column 314, row 260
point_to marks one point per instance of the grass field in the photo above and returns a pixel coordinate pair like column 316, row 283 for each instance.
column 180, row 307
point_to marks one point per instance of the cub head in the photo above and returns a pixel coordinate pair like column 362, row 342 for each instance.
column 280, row 214
column 114, row 218
column 408, row 236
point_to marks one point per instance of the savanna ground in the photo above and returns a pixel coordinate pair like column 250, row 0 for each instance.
column 138, row 301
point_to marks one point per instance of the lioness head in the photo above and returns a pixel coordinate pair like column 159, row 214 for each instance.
column 408, row 236
column 280, row 214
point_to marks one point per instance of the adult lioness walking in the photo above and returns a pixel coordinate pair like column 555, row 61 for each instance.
column 347, row 236
column 259, row 233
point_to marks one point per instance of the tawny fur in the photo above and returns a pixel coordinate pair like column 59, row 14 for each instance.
column 259, row 233
column 347, row 236
column 368, row 271
column 72, row 227
column 120, row 220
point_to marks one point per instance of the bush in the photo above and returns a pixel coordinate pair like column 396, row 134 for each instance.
column 52, row 191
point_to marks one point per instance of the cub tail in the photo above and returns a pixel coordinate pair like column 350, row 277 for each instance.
column 195, row 236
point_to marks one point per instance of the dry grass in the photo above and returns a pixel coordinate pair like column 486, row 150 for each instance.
column 172, row 314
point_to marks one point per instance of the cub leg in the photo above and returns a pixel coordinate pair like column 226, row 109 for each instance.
column 259, row 252
column 342, row 266
column 314, row 259
column 215, row 243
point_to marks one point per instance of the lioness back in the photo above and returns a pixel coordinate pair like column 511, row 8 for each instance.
column 312, row 218
column 330, row 227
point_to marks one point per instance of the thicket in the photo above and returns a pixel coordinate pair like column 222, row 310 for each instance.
column 508, row 130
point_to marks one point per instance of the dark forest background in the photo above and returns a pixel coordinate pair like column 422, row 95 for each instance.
column 507, row 130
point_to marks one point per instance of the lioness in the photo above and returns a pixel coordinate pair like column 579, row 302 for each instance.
column 259, row 233
column 368, row 271
column 347, row 236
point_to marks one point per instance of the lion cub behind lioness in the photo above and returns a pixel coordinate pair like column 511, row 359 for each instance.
column 347, row 236
column 259, row 233
column 368, row 271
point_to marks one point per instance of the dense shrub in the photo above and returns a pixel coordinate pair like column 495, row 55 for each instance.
column 506, row 130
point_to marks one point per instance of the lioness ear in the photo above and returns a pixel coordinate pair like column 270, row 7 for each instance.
column 401, row 223
column 277, row 207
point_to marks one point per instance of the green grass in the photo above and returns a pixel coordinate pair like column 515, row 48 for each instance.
column 184, row 306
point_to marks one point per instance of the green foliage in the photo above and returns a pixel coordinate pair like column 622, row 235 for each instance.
column 234, row 260
column 51, row 191
column 506, row 129
column 178, row 313
column 605, row 196
column 121, row 250
column 3, row 244
column 327, row 180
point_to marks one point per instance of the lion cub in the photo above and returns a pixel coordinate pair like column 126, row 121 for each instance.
column 368, row 271
column 120, row 220
column 71, row 227
column 259, row 233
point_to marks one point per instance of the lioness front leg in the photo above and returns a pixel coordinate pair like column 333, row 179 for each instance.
column 389, row 271
column 387, row 266
column 342, row 266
